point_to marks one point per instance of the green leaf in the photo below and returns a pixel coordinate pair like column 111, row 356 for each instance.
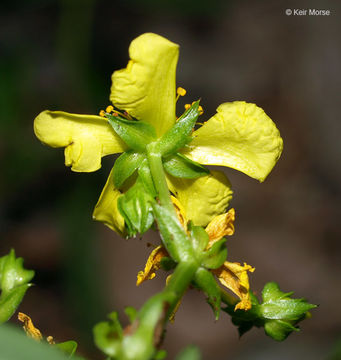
column 125, row 165
column 108, row 335
column 191, row 352
column 14, row 345
column 199, row 238
column 179, row 135
column 136, row 134
column 180, row 166
column 136, row 208
column 206, row 282
column 69, row 347
column 216, row 255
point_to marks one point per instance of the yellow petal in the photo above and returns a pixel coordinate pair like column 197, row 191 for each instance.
column 220, row 226
column 30, row 329
column 106, row 209
column 146, row 87
column 235, row 277
column 202, row 198
column 86, row 138
column 240, row 136
column 180, row 212
column 153, row 264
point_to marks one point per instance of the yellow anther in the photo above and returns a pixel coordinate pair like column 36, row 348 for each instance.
column 102, row 113
column 50, row 340
column 181, row 91
column 187, row 106
column 201, row 110
column 109, row 109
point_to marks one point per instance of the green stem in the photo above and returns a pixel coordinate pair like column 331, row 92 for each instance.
column 174, row 236
column 158, row 175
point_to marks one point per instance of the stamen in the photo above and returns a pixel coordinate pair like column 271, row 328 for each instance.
column 187, row 106
column 102, row 113
column 201, row 110
column 180, row 92
column 109, row 109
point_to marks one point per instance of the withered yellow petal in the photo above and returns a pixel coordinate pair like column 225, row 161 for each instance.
column 241, row 136
column 86, row 138
column 30, row 329
column 234, row 276
column 202, row 198
column 153, row 264
column 106, row 209
column 222, row 225
column 146, row 87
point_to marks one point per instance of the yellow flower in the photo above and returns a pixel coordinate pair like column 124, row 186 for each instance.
column 239, row 135
column 231, row 274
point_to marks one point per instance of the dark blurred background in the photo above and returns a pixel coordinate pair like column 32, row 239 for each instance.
column 60, row 54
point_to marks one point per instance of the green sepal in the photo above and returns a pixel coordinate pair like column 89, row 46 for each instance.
column 146, row 177
column 11, row 300
column 216, row 255
column 12, row 272
column 199, row 238
column 178, row 135
column 108, row 335
column 190, row 352
column 14, row 282
column 125, row 165
column 131, row 313
column 160, row 355
column 136, row 134
column 278, row 314
column 278, row 329
column 167, row 263
column 68, row 347
column 279, row 305
column 135, row 207
column 205, row 281
column 180, row 166
column 170, row 229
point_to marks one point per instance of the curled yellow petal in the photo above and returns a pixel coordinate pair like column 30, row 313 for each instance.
column 106, row 209
column 30, row 329
column 234, row 276
column 241, row 136
column 146, row 87
column 202, row 198
column 222, row 225
column 153, row 264
column 86, row 138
